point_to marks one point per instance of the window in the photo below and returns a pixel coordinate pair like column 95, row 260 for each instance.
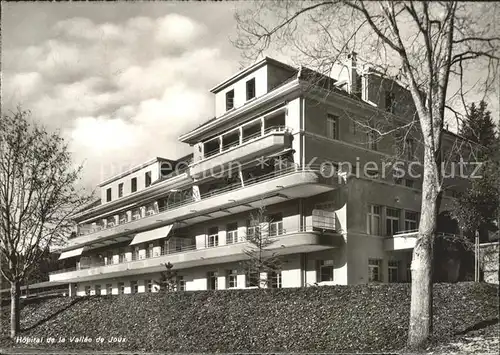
column 274, row 279
column 332, row 126
column 410, row 183
column 252, row 229
column 325, row 270
column 149, row 286
column 398, row 181
column 147, row 178
column 120, row 189
column 108, row 195
column 133, row 185
column 252, row 279
column 232, row 233
column 135, row 253
column 213, row 237
column 134, row 288
column 136, row 214
column 150, row 210
column 389, row 102
column 410, row 149
column 371, row 140
column 109, row 258
column 212, row 280
column 87, row 290
column 374, row 267
column 181, row 283
column 229, row 100
column 98, row 290
column 232, row 278
column 393, row 270
column 411, row 220
column 121, row 256
column 149, row 250
column 276, row 224
column 123, row 218
column 250, row 89
column 358, row 86
column 392, row 221
column 110, row 222
column 373, row 220
column 109, row 289
column 121, row 288
column 323, row 216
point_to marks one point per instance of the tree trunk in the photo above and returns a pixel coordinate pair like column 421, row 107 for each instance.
column 15, row 293
column 421, row 266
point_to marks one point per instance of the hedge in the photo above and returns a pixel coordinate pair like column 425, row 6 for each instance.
column 364, row 318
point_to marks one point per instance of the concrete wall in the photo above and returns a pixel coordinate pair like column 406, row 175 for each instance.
column 277, row 75
column 196, row 278
column 299, row 270
column 154, row 168
column 239, row 88
column 289, row 212
column 266, row 77
column 377, row 89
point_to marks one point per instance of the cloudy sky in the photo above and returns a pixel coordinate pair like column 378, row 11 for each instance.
column 120, row 80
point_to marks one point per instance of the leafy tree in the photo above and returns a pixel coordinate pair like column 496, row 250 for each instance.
column 422, row 46
column 37, row 197
column 479, row 127
column 478, row 207
column 169, row 279
column 260, row 258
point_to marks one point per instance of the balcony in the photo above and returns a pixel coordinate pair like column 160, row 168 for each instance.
column 406, row 240
column 170, row 181
column 186, row 256
column 288, row 183
column 254, row 145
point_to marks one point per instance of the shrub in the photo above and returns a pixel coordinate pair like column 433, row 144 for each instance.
column 317, row 319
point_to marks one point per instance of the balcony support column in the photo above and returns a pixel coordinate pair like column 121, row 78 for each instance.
column 301, row 214
column 220, row 143
column 240, row 174
column 240, row 129
column 262, row 126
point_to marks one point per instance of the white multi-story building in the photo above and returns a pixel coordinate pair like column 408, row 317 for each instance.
column 279, row 139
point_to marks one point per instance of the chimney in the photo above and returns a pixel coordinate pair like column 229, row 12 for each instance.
column 354, row 80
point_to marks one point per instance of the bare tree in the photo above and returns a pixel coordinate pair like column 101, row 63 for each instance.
column 37, row 197
column 422, row 46
column 260, row 259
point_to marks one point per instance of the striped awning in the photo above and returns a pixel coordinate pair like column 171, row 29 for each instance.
column 71, row 253
column 153, row 234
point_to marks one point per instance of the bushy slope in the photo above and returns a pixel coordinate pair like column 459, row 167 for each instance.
column 316, row 319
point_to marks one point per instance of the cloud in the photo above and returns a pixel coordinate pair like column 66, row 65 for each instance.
column 25, row 84
column 120, row 92
column 176, row 29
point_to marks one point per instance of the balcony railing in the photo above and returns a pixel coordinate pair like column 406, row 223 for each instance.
column 290, row 169
column 245, row 139
column 280, row 231
column 414, row 233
